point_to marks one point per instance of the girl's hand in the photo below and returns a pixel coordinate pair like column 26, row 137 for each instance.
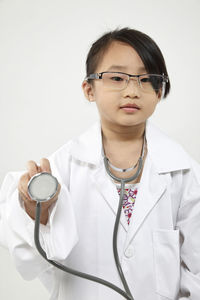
column 30, row 204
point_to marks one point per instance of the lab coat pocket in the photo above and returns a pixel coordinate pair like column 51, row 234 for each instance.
column 166, row 249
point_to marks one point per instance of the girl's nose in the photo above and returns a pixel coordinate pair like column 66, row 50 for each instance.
column 132, row 89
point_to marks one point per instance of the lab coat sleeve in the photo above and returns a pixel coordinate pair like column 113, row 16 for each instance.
column 188, row 222
column 58, row 237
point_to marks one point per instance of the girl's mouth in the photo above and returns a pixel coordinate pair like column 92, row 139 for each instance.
column 130, row 107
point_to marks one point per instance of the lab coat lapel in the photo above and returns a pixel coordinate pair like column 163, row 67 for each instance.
column 152, row 187
column 109, row 192
column 88, row 148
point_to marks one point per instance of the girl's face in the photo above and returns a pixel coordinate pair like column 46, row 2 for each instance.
column 109, row 102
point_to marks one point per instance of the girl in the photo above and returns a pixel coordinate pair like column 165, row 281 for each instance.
column 158, row 238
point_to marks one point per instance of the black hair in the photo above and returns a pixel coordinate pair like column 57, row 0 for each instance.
column 145, row 46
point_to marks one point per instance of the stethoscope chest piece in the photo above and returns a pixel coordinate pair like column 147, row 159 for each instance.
column 42, row 187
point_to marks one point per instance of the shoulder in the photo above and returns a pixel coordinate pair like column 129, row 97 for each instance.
column 194, row 171
column 60, row 161
column 167, row 154
column 84, row 147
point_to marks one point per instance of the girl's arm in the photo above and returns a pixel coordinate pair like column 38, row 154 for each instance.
column 188, row 223
column 58, row 236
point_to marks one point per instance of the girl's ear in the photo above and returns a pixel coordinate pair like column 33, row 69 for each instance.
column 159, row 95
column 88, row 91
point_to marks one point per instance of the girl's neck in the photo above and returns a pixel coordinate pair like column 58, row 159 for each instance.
column 122, row 134
column 123, row 146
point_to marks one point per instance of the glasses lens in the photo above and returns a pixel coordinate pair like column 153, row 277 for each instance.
column 115, row 81
column 151, row 82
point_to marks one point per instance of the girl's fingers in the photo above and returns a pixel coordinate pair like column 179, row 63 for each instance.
column 45, row 165
column 22, row 186
column 32, row 168
column 25, row 197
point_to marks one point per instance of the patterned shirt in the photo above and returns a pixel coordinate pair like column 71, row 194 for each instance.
column 130, row 193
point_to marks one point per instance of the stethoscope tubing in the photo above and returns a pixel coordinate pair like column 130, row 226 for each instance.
column 116, row 226
column 66, row 269
column 115, row 232
column 126, row 294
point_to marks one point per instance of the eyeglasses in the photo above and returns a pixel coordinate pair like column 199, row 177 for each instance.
column 119, row 81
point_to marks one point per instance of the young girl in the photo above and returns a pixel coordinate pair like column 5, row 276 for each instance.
column 158, row 240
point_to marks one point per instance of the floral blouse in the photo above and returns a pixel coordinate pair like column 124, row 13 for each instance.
column 130, row 194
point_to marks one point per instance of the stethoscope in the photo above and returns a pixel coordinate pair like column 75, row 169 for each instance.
column 43, row 187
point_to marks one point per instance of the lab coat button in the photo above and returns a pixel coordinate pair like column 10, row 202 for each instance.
column 129, row 252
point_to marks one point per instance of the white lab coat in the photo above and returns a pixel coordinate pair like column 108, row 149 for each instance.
column 159, row 250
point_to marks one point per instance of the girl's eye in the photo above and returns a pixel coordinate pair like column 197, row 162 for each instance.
column 117, row 78
column 146, row 79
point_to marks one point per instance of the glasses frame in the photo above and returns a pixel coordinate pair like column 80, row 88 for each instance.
column 100, row 76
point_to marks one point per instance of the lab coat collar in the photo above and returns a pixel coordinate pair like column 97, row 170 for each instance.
column 166, row 154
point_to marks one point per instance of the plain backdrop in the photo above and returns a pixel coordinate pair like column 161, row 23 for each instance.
column 43, row 46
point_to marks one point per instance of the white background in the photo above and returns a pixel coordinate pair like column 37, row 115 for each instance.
column 43, row 46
